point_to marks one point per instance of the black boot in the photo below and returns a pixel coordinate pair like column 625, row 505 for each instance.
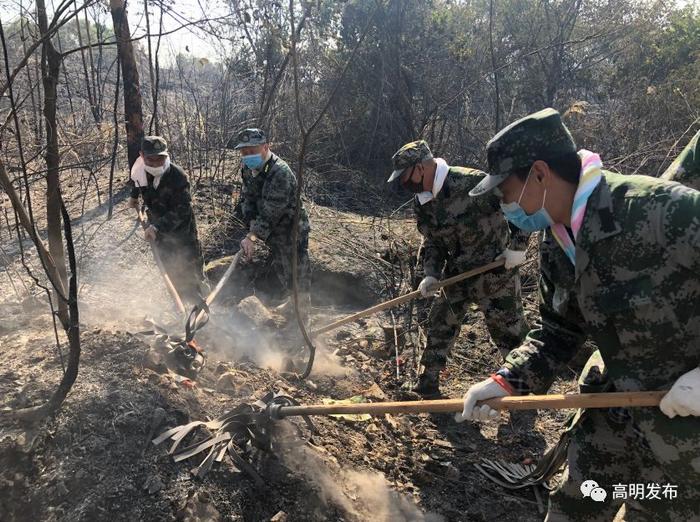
column 428, row 385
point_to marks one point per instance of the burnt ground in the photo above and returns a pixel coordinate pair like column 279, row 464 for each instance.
column 94, row 461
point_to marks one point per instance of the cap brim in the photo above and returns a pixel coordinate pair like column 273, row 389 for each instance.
column 394, row 175
column 487, row 184
column 164, row 153
column 248, row 144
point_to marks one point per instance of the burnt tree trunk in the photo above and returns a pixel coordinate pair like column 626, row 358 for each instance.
column 130, row 76
column 50, row 68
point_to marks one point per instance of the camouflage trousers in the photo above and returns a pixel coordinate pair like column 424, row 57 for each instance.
column 497, row 294
column 281, row 250
column 611, row 451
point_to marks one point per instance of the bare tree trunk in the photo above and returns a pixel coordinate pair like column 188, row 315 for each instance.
column 28, row 225
column 268, row 99
column 88, row 81
column 305, row 136
column 93, row 77
column 116, row 141
column 35, row 112
column 72, row 325
column 133, row 109
column 156, row 121
column 50, row 68
column 151, row 72
column 73, row 328
column 495, row 70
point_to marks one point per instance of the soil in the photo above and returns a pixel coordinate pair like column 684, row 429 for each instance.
column 95, row 461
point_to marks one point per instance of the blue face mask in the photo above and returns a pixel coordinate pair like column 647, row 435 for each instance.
column 524, row 221
column 253, row 161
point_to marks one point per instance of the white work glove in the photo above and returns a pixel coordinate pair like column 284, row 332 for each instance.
column 133, row 203
column 684, row 397
column 488, row 389
column 513, row 257
column 150, row 233
column 427, row 286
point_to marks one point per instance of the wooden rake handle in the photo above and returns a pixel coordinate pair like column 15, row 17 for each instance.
column 161, row 268
column 212, row 295
column 526, row 402
column 406, row 297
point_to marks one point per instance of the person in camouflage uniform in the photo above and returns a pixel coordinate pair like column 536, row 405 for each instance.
column 619, row 263
column 165, row 190
column 686, row 167
column 460, row 233
column 266, row 207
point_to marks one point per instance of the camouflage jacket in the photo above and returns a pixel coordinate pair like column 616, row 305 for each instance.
column 268, row 200
column 686, row 168
column 461, row 231
column 635, row 291
column 169, row 206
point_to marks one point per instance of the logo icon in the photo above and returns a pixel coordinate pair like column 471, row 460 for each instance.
column 590, row 488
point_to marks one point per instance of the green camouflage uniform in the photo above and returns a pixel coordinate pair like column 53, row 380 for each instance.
column 462, row 233
column 268, row 200
column 686, row 168
column 635, row 291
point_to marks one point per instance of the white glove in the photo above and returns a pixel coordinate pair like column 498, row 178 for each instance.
column 513, row 257
column 684, row 397
column 427, row 286
column 150, row 233
column 488, row 389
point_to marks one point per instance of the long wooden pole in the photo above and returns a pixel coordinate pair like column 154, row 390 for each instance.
column 212, row 295
column 406, row 297
column 526, row 402
column 161, row 268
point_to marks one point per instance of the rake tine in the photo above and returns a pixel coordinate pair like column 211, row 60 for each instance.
column 493, row 478
column 165, row 435
column 518, row 469
column 198, row 448
column 245, row 466
column 259, row 439
column 222, row 453
column 231, row 447
column 496, row 466
column 179, row 437
column 206, row 464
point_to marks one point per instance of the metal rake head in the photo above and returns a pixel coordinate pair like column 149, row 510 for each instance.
column 516, row 476
column 239, row 433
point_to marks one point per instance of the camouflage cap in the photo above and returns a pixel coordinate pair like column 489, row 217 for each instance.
column 154, row 146
column 409, row 155
column 540, row 135
column 250, row 138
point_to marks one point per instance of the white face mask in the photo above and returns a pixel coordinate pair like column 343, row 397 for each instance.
column 158, row 171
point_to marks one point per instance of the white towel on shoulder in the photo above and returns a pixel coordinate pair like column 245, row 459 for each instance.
column 138, row 173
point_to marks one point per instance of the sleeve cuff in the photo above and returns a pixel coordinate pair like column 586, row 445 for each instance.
column 518, row 385
column 432, row 273
column 260, row 232
column 501, row 381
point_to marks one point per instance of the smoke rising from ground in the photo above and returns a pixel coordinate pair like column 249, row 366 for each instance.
column 361, row 495
column 121, row 288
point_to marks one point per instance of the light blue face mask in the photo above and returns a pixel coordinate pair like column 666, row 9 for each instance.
column 253, row 161
column 524, row 221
